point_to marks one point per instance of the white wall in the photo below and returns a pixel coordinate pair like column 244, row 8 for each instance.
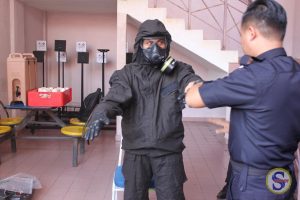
column 11, row 37
column 19, row 27
column 33, row 31
column 289, row 6
column 296, row 36
column 99, row 31
column 33, row 23
column 5, row 46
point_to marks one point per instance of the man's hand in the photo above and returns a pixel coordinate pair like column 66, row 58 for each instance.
column 193, row 97
column 94, row 125
column 191, row 84
column 181, row 97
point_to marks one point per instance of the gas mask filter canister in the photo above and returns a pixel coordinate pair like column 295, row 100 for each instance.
column 168, row 65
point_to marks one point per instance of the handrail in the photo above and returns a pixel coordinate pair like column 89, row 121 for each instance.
column 247, row 2
column 228, row 16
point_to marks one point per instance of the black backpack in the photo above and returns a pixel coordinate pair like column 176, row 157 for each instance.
column 88, row 104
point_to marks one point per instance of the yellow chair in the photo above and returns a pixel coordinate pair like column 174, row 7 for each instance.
column 76, row 122
column 12, row 122
column 5, row 133
column 4, row 129
column 75, row 132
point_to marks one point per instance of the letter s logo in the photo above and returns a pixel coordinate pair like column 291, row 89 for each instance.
column 278, row 180
column 277, row 177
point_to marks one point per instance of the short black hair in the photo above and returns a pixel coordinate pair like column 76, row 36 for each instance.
column 268, row 16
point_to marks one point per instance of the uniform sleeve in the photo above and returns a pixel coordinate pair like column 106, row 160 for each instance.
column 186, row 75
column 118, row 96
column 238, row 90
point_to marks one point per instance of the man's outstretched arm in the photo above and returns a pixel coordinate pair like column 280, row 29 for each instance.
column 193, row 98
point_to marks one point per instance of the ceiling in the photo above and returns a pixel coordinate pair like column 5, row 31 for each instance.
column 83, row 6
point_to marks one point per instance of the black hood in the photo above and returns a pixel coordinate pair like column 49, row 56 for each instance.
column 146, row 29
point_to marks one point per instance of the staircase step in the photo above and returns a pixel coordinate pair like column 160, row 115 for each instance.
column 143, row 12
column 155, row 13
column 174, row 23
column 211, row 44
column 132, row 5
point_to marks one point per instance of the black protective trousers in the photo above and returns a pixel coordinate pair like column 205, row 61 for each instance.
column 167, row 172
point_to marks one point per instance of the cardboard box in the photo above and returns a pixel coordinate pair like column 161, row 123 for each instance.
column 51, row 99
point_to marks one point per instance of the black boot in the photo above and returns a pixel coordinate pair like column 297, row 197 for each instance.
column 223, row 192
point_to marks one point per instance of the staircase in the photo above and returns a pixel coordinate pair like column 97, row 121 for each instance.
column 208, row 51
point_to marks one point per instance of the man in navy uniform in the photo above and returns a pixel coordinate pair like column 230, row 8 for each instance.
column 264, row 96
column 147, row 94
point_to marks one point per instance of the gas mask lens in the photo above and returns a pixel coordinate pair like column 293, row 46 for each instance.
column 148, row 42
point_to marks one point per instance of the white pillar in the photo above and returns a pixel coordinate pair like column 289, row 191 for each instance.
column 121, row 54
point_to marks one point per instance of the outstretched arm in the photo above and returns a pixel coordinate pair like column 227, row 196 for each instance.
column 112, row 105
column 193, row 97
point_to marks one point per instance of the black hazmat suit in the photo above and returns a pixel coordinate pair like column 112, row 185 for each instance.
column 152, row 125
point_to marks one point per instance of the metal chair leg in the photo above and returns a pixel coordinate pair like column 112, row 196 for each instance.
column 13, row 140
column 82, row 145
column 75, row 152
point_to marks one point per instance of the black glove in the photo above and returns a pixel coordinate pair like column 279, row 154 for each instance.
column 181, row 100
column 94, row 125
column 181, row 96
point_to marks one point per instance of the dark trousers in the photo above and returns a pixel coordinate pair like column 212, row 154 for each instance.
column 166, row 171
column 247, row 185
column 228, row 175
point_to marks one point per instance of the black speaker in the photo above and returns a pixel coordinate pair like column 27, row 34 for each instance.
column 39, row 55
column 83, row 57
column 129, row 58
column 60, row 45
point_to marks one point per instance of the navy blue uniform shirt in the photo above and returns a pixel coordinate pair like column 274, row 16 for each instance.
column 265, row 115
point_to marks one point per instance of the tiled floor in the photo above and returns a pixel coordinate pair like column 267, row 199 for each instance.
column 205, row 158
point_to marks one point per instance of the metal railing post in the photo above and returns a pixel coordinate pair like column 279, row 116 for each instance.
column 189, row 14
column 224, row 36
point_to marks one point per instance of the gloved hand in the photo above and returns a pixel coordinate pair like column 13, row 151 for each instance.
column 181, row 96
column 94, row 125
column 181, row 100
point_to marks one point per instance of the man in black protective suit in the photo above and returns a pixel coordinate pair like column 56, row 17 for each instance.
column 147, row 94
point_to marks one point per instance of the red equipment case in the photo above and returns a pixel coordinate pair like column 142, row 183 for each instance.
column 51, row 99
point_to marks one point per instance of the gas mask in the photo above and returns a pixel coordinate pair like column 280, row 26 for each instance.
column 155, row 52
column 154, row 49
